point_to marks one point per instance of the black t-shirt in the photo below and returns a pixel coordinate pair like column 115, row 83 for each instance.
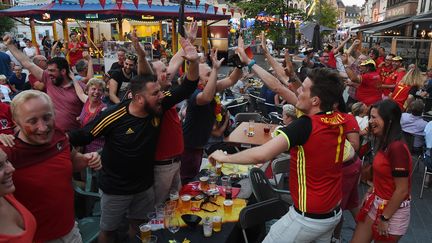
column 115, row 66
column 130, row 143
column 122, row 82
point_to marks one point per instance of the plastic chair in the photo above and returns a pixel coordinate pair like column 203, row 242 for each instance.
column 257, row 214
column 245, row 117
column 262, row 188
column 280, row 166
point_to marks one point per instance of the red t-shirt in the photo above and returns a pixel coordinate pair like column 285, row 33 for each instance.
column 6, row 123
column 67, row 105
column 332, row 60
column 29, row 223
column 385, row 72
column 74, row 57
column 394, row 162
column 170, row 143
column 395, row 76
column 351, row 124
column 368, row 91
column 43, row 181
column 315, row 178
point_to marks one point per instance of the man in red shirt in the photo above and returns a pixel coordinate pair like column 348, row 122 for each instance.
column 385, row 69
column 44, row 163
column 315, row 172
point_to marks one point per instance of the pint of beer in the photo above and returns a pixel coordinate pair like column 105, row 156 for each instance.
column 217, row 223
column 145, row 232
column 228, row 204
column 186, row 202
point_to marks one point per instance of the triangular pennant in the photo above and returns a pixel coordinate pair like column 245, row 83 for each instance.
column 102, row 3
column 232, row 12
column 60, row 1
column 197, row 2
column 224, row 10
column 215, row 9
column 241, row 11
column 81, row 2
column 206, row 6
column 119, row 3
column 135, row 2
column 149, row 2
column 163, row 2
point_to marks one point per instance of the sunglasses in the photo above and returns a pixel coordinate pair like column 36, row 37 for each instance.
column 131, row 57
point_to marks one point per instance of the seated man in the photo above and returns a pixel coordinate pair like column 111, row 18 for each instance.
column 43, row 183
column 413, row 123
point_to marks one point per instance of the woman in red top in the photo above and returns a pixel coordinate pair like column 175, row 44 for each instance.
column 17, row 224
column 405, row 90
column 385, row 214
column 76, row 48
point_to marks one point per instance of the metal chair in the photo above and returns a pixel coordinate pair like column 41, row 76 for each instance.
column 275, row 118
column 245, row 117
column 280, row 166
column 427, row 157
column 415, row 151
column 262, row 188
column 237, row 108
column 254, row 217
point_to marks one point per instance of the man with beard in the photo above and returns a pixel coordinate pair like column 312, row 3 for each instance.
column 58, row 83
column 131, row 130
column 120, row 79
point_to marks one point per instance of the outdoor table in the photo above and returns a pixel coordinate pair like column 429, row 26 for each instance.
column 240, row 136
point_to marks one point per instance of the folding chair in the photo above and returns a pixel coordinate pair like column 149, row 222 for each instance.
column 257, row 214
column 263, row 190
column 280, row 166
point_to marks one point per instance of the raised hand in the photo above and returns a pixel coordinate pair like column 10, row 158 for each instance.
column 213, row 56
column 288, row 63
column 263, row 43
column 86, row 55
column 191, row 31
column 217, row 156
column 356, row 42
column 134, row 36
column 7, row 40
column 241, row 52
column 190, row 52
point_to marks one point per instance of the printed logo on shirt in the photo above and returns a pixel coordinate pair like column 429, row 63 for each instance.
column 130, row 131
column 59, row 146
column 167, row 93
column 155, row 122
column 4, row 123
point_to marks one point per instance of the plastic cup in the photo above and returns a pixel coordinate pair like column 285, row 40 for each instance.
column 186, row 202
column 204, row 183
column 145, row 232
column 212, row 181
column 218, row 169
column 217, row 223
column 228, row 204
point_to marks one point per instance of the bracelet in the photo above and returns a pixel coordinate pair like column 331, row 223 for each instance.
column 384, row 219
column 250, row 65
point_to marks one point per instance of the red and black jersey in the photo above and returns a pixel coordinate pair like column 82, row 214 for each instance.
column 385, row 73
column 400, row 95
column 395, row 161
column 317, row 147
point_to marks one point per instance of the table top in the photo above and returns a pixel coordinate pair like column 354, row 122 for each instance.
column 239, row 135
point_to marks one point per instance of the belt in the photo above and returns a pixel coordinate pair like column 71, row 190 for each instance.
column 333, row 213
column 168, row 161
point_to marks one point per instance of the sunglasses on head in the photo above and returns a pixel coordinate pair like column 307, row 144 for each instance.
column 131, row 57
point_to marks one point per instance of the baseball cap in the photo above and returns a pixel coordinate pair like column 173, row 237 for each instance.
column 397, row 58
column 368, row 62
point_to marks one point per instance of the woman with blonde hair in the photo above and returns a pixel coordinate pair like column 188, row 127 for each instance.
column 405, row 90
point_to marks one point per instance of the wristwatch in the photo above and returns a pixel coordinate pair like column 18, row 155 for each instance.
column 384, row 219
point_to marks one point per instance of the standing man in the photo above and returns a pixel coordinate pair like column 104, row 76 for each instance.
column 315, row 167
column 44, row 163
column 131, row 130
column 120, row 79
column 29, row 50
column 58, row 82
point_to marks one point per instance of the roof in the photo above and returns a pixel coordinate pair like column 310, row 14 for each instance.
column 340, row 4
column 352, row 10
column 71, row 9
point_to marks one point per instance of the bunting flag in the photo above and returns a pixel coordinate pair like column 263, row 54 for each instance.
column 102, row 3
column 215, row 9
column 232, row 12
column 197, row 2
column 206, row 6
column 119, row 3
column 224, row 10
column 241, row 11
column 163, row 2
column 81, row 2
column 135, row 2
column 149, row 2
column 60, row 1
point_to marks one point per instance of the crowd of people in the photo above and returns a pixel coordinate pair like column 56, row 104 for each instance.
column 129, row 129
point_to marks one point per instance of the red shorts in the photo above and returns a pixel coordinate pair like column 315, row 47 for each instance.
column 350, row 180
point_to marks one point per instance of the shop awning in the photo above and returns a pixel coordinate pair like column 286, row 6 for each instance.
column 371, row 26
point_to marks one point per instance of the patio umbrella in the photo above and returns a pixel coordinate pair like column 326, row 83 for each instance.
column 316, row 39
column 292, row 34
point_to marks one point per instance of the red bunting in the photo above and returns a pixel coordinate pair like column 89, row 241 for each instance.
column 81, row 2
column 224, row 10
column 163, row 2
column 241, row 11
column 149, row 2
column 60, row 1
column 135, row 2
column 102, row 3
column 197, row 2
column 119, row 3
column 232, row 12
column 206, row 6
column 215, row 9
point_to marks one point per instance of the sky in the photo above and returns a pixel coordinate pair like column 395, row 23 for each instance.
column 352, row 2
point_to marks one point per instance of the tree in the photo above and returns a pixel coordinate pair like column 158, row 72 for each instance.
column 6, row 23
column 325, row 14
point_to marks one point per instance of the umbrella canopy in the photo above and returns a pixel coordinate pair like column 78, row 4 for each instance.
column 316, row 38
column 292, row 34
column 307, row 30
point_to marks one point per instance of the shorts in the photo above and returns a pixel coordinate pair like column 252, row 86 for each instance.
column 350, row 180
column 73, row 236
column 115, row 207
column 399, row 221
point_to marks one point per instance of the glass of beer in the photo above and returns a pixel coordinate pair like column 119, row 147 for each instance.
column 145, row 232
column 212, row 181
column 267, row 129
column 218, row 169
column 217, row 223
column 228, row 204
column 186, row 202
column 204, row 183
column 251, row 128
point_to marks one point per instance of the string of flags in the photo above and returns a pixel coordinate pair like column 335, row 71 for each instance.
column 119, row 3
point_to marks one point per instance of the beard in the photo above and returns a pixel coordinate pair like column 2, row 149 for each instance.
column 58, row 81
column 150, row 110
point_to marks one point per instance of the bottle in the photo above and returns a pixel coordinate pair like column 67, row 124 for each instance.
column 207, row 227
